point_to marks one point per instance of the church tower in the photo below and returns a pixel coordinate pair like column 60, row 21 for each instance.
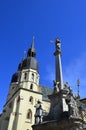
column 24, row 92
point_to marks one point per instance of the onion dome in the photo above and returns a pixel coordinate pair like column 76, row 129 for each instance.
column 30, row 61
column 15, row 77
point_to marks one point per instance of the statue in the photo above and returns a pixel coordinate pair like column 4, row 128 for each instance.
column 38, row 114
column 58, row 45
column 72, row 103
column 66, row 85
column 56, row 86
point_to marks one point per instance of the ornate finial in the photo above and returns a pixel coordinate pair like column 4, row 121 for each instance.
column 78, row 84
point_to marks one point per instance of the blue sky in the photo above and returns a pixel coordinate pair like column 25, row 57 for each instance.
column 46, row 20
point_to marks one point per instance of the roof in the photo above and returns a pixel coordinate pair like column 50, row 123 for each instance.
column 83, row 100
column 46, row 91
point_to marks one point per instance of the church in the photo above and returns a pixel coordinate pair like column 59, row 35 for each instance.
column 58, row 109
column 24, row 93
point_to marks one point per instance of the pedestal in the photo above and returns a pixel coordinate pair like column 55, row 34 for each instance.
column 65, row 124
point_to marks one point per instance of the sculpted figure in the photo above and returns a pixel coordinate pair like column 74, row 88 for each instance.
column 56, row 86
column 38, row 114
column 72, row 104
column 58, row 45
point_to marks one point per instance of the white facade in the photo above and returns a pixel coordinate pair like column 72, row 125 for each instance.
column 19, row 110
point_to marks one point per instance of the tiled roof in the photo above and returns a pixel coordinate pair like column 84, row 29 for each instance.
column 83, row 100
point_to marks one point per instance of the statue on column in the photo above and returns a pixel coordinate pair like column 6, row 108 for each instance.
column 58, row 45
column 38, row 114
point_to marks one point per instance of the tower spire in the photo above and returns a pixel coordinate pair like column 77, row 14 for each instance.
column 59, row 76
column 32, row 51
column 32, row 45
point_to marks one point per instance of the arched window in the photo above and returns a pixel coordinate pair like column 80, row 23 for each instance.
column 31, row 86
column 25, row 76
column 18, row 98
column 7, row 118
column 31, row 100
column 10, row 105
column 29, row 115
column 32, row 77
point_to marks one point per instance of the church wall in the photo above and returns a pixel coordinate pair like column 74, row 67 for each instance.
column 8, row 112
column 24, row 92
column 24, row 106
